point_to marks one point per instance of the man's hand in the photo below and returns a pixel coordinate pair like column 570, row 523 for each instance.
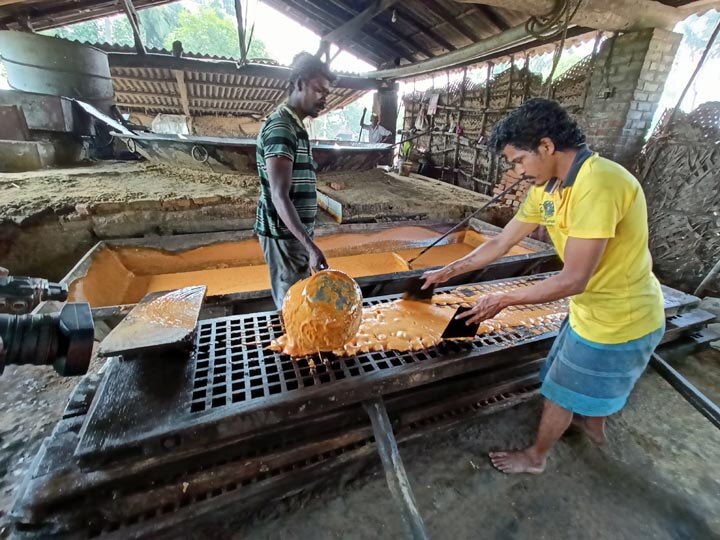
column 486, row 308
column 436, row 277
column 317, row 258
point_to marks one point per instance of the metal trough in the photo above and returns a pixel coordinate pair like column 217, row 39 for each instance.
column 537, row 256
column 140, row 451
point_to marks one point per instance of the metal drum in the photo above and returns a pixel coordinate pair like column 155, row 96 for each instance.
column 48, row 65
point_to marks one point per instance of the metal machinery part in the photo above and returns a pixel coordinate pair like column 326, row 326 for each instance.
column 63, row 339
column 158, row 441
column 21, row 294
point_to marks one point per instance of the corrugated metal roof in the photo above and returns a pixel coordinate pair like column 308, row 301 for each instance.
column 409, row 31
column 155, row 90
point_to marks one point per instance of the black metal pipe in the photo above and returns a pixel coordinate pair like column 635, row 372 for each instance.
column 394, row 469
column 704, row 405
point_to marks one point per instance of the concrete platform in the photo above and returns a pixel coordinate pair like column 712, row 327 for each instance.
column 379, row 196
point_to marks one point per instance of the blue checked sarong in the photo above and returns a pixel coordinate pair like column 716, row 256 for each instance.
column 594, row 379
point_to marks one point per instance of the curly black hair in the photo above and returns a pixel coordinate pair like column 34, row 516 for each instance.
column 533, row 120
column 305, row 66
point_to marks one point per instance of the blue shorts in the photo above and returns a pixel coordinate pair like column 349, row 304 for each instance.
column 594, row 379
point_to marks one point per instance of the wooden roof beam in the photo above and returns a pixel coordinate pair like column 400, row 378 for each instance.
column 493, row 17
column 227, row 67
column 611, row 15
column 514, row 39
column 182, row 90
column 422, row 27
column 410, row 41
column 452, row 20
column 64, row 14
column 134, row 21
column 310, row 11
column 349, row 29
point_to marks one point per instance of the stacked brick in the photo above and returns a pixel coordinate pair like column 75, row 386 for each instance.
column 613, row 95
column 515, row 196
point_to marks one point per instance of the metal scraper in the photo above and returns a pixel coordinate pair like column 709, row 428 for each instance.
column 413, row 290
column 458, row 329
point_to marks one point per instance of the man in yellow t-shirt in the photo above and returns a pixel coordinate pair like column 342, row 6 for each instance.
column 595, row 213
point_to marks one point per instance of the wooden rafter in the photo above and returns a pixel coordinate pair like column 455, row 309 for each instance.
column 134, row 24
column 492, row 16
column 412, row 43
column 452, row 20
column 323, row 24
column 426, row 30
column 349, row 29
column 313, row 13
column 182, row 90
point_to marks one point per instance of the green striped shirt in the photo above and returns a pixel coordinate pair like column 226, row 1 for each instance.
column 284, row 135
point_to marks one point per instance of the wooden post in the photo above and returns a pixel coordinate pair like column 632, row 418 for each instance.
column 456, row 159
column 591, row 68
column 432, row 126
column 134, row 25
column 447, row 123
column 526, row 86
column 394, row 469
column 241, row 30
column 412, row 111
column 511, row 80
column 487, row 99
column 182, row 91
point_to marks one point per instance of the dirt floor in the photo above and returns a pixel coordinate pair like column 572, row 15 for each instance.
column 656, row 478
column 23, row 195
column 366, row 195
column 375, row 194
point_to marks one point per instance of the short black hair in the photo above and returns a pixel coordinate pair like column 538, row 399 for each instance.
column 533, row 120
column 305, row 66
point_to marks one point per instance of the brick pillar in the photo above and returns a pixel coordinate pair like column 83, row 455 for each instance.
column 386, row 106
column 625, row 90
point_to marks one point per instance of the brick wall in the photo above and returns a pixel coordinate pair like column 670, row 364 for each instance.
column 625, row 90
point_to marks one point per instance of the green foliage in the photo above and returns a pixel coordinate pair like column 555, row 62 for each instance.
column 406, row 149
column 343, row 123
column 157, row 22
column 89, row 31
column 696, row 32
column 208, row 31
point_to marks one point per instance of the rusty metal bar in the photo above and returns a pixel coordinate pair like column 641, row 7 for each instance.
column 703, row 404
column 395, row 470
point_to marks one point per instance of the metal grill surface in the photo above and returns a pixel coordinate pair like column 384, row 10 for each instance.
column 234, row 365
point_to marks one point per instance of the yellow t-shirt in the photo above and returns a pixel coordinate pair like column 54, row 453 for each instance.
column 623, row 300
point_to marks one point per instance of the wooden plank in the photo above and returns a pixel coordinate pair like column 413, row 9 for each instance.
column 450, row 19
column 164, row 61
column 348, row 30
column 702, row 403
column 395, row 470
column 158, row 322
column 182, row 90
column 134, row 24
column 241, row 30
column 424, row 29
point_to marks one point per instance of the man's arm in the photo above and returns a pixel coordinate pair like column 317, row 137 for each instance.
column 582, row 257
column 484, row 254
column 280, row 176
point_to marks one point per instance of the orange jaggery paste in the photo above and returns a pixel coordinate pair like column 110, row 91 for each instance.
column 321, row 313
column 405, row 325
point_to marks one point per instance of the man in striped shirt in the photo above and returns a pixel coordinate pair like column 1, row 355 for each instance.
column 288, row 198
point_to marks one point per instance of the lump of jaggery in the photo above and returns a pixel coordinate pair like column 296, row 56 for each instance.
column 321, row 313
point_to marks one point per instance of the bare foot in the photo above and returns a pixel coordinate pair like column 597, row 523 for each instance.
column 594, row 428
column 520, row 461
